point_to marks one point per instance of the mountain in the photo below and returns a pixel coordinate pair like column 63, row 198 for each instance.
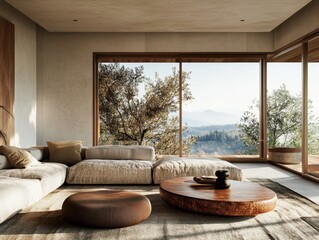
column 209, row 117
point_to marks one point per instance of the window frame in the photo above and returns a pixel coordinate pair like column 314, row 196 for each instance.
column 190, row 57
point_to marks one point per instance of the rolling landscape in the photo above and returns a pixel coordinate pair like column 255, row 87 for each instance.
column 215, row 132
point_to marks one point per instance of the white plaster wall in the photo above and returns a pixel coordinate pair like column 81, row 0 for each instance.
column 25, row 76
column 65, row 71
column 300, row 24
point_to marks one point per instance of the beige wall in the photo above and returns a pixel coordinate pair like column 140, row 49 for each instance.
column 300, row 24
column 25, row 76
column 65, row 84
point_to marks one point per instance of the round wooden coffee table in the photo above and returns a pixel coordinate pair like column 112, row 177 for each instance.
column 241, row 199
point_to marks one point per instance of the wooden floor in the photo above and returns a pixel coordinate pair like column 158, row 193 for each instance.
column 313, row 162
column 295, row 182
column 313, row 166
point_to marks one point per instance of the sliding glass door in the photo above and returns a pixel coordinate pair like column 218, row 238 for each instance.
column 222, row 118
column 284, row 108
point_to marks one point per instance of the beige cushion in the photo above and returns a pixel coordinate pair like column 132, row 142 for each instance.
column 17, row 194
column 18, row 158
column 173, row 167
column 66, row 152
column 97, row 171
column 120, row 152
column 51, row 175
column 4, row 164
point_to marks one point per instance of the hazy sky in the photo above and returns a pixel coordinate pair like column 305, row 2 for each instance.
column 231, row 87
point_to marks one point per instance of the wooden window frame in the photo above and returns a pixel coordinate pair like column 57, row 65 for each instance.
column 303, row 43
column 183, row 58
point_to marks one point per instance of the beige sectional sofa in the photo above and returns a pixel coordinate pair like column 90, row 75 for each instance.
column 50, row 175
column 114, row 165
column 20, row 188
column 17, row 194
column 98, row 165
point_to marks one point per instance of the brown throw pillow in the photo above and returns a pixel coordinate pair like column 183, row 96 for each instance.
column 18, row 158
column 66, row 152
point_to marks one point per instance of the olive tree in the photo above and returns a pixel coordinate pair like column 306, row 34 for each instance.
column 148, row 119
column 284, row 123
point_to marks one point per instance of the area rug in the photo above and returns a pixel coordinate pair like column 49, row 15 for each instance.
column 293, row 218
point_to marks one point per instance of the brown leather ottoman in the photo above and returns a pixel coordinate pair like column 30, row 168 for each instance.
column 106, row 208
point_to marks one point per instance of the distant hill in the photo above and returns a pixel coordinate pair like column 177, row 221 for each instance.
column 200, row 131
column 209, row 117
column 216, row 139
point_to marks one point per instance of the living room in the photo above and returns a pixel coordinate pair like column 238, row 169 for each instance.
column 57, row 50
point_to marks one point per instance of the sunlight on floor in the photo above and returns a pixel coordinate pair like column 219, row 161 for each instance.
column 305, row 187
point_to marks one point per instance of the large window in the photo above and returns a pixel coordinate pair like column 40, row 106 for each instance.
column 293, row 106
column 139, row 105
column 284, row 83
column 284, row 107
column 208, row 107
column 222, row 118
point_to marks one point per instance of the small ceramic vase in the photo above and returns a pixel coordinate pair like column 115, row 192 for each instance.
column 222, row 181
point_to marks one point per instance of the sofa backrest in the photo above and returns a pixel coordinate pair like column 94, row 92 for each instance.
column 121, row 152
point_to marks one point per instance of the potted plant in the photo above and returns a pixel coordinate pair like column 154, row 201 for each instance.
column 285, row 155
column 284, row 140
column 3, row 135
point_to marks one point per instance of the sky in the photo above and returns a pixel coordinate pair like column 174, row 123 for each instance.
column 231, row 87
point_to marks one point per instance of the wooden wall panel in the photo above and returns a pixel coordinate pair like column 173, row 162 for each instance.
column 6, row 81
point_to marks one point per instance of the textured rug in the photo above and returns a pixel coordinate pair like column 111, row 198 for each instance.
column 294, row 217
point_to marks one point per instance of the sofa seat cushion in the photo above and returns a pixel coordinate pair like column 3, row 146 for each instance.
column 17, row 194
column 97, row 171
column 51, row 175
column 121, row 152
column 174, row 167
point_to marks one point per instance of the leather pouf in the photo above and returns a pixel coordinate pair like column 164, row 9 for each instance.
column 106, row 208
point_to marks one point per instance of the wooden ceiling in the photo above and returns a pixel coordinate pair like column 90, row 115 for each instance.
column 294, row 53
column 313, row 50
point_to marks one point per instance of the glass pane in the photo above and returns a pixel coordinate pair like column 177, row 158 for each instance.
column 139, row 104
column 222, row 118
column 313, row 107
column 284, row 109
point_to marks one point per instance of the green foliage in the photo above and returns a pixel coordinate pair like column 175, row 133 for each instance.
column 219, row 142
column 249, row 130
column 284, row 123
column 151, row 119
